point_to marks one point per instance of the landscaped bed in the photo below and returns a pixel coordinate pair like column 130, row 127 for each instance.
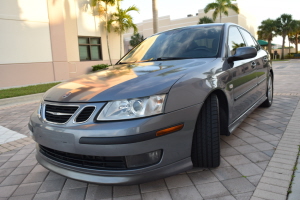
column 21, row 91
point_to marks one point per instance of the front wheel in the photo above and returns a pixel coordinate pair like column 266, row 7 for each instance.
column 206, row 139
column 269, row 100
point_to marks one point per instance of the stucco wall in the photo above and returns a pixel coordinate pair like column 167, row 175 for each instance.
column 39, row 40
column 24, row 35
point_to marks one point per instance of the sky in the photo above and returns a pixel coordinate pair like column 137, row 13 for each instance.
column 261, row 9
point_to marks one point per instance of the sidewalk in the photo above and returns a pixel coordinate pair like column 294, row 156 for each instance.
column 256, row 161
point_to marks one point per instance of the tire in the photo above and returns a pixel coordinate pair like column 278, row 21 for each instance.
column 223, row 122
column 206, row 139
column 268, row 102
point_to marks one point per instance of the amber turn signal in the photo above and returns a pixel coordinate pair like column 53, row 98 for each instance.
column 169, row 130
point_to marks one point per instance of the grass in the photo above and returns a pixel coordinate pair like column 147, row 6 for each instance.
column 21, row 91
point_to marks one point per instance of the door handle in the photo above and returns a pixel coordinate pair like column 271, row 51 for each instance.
column 265, row 59
column 253, row 64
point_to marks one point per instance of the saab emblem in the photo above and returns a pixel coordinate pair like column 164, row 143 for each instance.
column 66, row 95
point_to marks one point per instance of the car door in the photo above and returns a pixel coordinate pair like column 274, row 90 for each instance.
column 260, row 62
column 244, row 79
column 261, row 69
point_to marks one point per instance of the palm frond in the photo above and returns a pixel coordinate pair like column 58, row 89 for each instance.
column 132, row 8
column 215, row 14
column 221, row 7
column 234, row 8
column 210, row 6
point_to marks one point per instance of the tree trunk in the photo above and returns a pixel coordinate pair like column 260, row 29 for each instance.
column 282, row 50
column 296, row 41
column 155, row 16
column 289, row 48
column 120, row 45
column 269, row 46
column 220, row 18
column 106, row 16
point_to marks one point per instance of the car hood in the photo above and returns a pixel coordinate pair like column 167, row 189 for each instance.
column 124, row 81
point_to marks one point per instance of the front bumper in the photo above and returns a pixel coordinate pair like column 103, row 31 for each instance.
column 176, row 146
column 117, row 179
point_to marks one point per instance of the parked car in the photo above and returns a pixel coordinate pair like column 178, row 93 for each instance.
column 159, row 111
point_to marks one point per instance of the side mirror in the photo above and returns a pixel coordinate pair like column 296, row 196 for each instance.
column 243, row 53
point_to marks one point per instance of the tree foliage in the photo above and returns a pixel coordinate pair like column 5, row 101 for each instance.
column 221, row 7
column 284, row 25
column 121, row 21
column 136, row 39
column 205, row 20
column 294, row 36
column 267, row 31
column 104, row 16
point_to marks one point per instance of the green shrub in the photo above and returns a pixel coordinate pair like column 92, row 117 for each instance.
column 99, row 67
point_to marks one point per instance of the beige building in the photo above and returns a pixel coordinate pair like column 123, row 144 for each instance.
column 50, row 40
column 243, row 19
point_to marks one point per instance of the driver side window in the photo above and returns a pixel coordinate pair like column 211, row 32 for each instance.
column 235, row 40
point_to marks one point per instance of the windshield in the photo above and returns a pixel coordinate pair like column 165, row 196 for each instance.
column 183, row 43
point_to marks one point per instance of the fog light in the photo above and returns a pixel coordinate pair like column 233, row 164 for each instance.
column 143, row 160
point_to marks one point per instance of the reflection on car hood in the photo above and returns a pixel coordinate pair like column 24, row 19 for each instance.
column 124, row 81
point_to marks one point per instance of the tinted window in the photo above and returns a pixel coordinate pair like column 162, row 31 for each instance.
column 193, row 42
column 248, row 38
column 235, row 40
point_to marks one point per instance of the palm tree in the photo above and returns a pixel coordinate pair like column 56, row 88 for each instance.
column 293, row 28
column 205, row 20
column 121, row 21
column 284, row 26
column 136, row 39
column 155, row 16
column 104, row 12
column 266, row 31
column 221, row 7
column 295, row 34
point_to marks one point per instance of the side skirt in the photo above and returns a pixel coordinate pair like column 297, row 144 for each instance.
column 239, row 120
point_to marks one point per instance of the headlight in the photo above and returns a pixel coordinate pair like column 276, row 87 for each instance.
column 39, row 110
column 133, row 108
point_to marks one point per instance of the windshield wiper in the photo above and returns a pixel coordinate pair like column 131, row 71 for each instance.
column 171, row 58
column 127, row 62
column 136, row 61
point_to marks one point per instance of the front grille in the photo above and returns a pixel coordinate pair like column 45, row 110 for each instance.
column 85, row 161
column 59, row 114
column 85, row 114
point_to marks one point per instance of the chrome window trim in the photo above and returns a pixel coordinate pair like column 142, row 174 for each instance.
column 75, row 117
column 44, row 111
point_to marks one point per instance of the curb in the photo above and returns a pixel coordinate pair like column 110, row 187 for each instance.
column 275, row 182
column 20, row 100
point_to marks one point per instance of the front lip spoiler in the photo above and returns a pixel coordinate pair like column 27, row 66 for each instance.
column 123, row 139
column 168, row 170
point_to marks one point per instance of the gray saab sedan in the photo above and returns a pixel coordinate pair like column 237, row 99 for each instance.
column 159, row 111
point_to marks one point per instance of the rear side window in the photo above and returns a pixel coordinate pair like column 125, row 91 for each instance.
column 249, row 39
column 235, row 40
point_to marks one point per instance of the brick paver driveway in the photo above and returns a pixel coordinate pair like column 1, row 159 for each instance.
column 245, row 156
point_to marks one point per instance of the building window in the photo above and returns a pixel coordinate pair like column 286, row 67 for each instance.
column 90, row 48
